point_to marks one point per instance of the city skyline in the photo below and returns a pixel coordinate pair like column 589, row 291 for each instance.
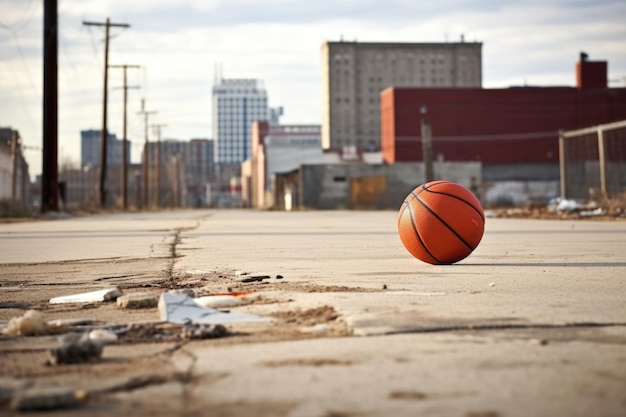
column 180, row 44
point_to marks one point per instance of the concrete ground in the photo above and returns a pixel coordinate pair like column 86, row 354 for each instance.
column 532, row 323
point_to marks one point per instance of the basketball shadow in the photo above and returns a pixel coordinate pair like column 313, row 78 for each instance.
column 550, row 264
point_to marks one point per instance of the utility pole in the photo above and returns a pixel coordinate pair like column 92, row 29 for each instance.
column 104, row 132
column 49, row 173
column 124, row 139
column 146, row 154
column 14, row 160
column 157, row 131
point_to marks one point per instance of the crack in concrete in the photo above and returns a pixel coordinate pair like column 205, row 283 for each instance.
column 508, row 326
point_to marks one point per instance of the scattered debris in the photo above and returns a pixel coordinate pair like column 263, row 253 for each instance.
column 255, row 278
column 593, row 213
column 203, row 331
column 137, row 301
column 20, row 306
column 219, row 301
column 36, row 399
column 492, row 284
column 63, row 323
column 110, row 294
column 563, row 204
column 30, row 324
column 180, row 308
column 102, row 336
column 79, row 348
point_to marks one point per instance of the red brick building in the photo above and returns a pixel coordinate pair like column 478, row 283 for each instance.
column 497, row 126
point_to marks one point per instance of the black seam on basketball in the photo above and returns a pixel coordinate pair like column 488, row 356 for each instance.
column 445, row 223
column 433, row 183
column 482, row 215
column 417, row 233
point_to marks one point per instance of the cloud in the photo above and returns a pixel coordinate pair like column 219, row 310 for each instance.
column 277, row 41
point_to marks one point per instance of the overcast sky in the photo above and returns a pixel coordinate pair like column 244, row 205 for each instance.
column 179, row 43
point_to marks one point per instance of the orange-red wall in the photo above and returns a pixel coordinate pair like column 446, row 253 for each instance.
column 511, row 125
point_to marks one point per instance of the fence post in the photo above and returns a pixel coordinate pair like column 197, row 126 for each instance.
column 562, row 163
column 602, row 160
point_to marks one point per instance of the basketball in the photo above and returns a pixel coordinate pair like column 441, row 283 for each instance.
column 441, row 222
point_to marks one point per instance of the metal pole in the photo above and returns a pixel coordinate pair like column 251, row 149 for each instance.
column 146, row 156
column 602, row 160
column 49, row 174
column 562, row 161
column 14, row 139
column 124, row 150
column 103, row 132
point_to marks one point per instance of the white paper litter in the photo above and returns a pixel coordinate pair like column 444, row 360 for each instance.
column 109, row 294
column 180, row 308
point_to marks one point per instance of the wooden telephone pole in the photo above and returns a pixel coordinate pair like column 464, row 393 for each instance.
column 157, row 131
column 104, row 132
column 49, row 173
column 124, row 139
column 146, row 154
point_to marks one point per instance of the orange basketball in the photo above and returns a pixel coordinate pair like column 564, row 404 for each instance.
column 441, row 222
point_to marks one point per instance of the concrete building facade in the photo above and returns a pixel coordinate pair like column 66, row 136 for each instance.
column 513, row 131
column 236, row 104
column 276, row 149
column 354, row 74
column 90, row 148
column 362, row 186
column 14, row 174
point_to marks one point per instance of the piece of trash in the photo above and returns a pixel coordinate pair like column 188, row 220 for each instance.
column 255, row 278
column 279, row 277
column 102, row 336
column 137, row 301
column 592, row 213
column 109, row 294
column 567, row 205
column 316, row 329
column 219, row 301
column 203, row 331
column 20, row 306
column 71, row 322
column 180, row 308
column 30, row 324
column 492, row 284
column 75, row 348
column 35, row 399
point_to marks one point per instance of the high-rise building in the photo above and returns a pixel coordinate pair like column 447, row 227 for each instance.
column 90, row 148
column 355, row 74
column 236, row 104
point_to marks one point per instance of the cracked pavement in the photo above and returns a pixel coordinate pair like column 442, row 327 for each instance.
column 532, row 323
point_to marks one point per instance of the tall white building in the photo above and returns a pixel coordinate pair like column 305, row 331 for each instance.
column 354, row 74
column 236, row 104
